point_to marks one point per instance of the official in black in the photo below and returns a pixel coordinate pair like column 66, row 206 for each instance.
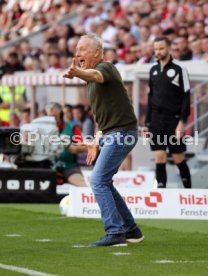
column 167, row 112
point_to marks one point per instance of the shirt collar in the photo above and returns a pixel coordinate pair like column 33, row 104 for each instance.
column 167, row 64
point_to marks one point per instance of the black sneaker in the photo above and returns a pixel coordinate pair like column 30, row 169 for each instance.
column 161, row 185
column 111, row 240
column 134, row 236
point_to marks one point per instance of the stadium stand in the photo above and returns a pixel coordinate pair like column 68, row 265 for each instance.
column 127, row 26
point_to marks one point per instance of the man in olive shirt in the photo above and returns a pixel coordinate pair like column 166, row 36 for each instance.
column 116, row 120
column 110, row 102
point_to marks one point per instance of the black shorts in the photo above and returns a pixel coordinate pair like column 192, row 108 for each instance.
column 69, row 172
column 165, row 138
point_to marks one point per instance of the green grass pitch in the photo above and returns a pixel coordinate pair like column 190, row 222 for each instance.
column 37, row 237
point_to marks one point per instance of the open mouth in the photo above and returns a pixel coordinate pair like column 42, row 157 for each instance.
column 82, row 63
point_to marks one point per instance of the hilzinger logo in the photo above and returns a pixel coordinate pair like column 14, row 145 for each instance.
column 138, row 179
column 193, row 200
column 151, row 201
column 157, row 198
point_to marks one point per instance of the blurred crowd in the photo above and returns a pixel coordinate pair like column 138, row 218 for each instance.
column 127, row 28
column 20, row 18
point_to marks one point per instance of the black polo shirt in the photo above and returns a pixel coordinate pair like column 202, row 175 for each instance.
column 169, row 93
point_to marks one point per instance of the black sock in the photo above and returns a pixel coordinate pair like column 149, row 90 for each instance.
column 161, row 175
column 185, row 174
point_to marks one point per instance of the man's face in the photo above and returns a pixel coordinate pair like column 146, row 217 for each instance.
column 86, row 53
column 182, row 44
column 77, row 114
column 161, row 50
column 175, row 51
column 67, row 113
column 25, row 117
column 55, row 115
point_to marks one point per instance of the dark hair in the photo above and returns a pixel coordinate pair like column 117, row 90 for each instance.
column 13, row 55
column 116, row 3
column 163, row 38
column 183, row 36
column 52, row 40
column 190, row 24
column 80, row 107
column 69, row 106
column 168, row 31
column 204, row 37
column 26, row 110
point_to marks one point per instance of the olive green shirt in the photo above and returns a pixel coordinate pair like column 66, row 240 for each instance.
column 109, row 101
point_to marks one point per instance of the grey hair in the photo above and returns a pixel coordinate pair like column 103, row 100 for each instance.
column 53, row 106
column 97, row 41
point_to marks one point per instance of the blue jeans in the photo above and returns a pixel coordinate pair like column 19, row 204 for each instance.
column 114, row 148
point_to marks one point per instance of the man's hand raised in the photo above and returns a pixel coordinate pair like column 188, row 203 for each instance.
column 73, row 70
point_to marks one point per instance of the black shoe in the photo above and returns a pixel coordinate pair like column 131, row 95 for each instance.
column 111, row 240
column 161, row 185
column 134, row 236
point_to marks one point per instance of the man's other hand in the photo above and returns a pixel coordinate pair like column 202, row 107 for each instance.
column 92, row 153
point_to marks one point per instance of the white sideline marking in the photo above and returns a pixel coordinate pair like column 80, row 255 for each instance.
column 13, row 235
column 164, row 262
column 24, row 270
column 43, row 240
column 178, row 262
column 80, row 246
column 121, row 253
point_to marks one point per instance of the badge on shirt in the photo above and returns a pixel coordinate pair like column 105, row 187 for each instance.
column 171, row 73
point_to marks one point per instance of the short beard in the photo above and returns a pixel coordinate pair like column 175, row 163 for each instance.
column 162, row 58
